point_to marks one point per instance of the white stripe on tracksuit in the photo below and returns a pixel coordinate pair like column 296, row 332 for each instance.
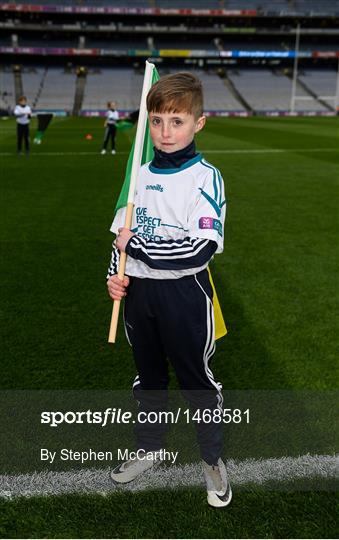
column 136, row 381
column 210, row 345
column 126, row 332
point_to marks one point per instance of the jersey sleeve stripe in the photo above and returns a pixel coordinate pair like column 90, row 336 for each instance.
column 168, row 243
column 216, row 180
column 114, row 264
column 202, row 251
column 196, row 246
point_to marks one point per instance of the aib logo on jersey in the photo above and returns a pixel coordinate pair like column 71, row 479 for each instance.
column 206, row 223
column 210, row 223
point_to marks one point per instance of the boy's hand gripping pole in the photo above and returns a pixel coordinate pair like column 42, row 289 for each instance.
column 138, row 149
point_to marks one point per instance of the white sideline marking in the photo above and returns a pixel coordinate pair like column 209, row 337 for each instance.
column 249, row 471
column 223, row 151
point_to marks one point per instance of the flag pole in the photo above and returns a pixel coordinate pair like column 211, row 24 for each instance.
column 138, row 148
column 295, row 69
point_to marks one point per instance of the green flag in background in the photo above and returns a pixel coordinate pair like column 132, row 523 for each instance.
column 147, row 155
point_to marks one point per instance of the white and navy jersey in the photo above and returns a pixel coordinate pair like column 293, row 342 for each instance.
column 112, row 117
column 22, row 114
column 178, row 220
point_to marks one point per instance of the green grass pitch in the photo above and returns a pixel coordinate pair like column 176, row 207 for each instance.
column 276, row 281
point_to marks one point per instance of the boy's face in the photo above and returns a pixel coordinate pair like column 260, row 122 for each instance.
column 171, row 132
column 22, row 102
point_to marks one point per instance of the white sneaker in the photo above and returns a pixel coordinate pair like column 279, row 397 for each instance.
column 113, row 152
column 219, row 492
column 130, row 469
column 103, row 152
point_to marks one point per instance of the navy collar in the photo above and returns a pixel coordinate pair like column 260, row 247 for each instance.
column 173, row 160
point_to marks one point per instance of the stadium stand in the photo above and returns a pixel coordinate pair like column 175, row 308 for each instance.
column 189, row 4
column 274, row 5
column 122, row 85
column 247, row 83
column 217, row 96
column 323, row 83
column 5, row 41
column 187, row 41
column 7, row 92
column 84, row 3
column 286, row 6
column 121, row 43
column 183, row 42
column 58, row 90
column 262, row 89
column 47, row 42
column 314, row 6
column 32, row 81
column 265, row 90
column 285, row 43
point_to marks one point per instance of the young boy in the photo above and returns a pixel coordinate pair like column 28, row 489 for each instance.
column 23, row 115
column 177, row 228
column 112, row 116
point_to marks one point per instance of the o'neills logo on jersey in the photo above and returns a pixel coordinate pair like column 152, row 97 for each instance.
column 156, row 187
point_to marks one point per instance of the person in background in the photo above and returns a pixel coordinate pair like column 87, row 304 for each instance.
column 23, row 114
column 112, row 116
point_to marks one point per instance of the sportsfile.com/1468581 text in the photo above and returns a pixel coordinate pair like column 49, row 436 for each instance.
column 118, row 416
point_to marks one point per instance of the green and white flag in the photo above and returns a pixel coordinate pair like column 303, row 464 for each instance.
column 141, row 152
column 147, row 155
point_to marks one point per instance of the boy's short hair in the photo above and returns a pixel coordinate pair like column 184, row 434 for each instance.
column 22, row 97
column 178, row 92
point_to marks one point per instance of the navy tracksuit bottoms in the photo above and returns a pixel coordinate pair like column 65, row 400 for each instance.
column 110, row 133
column 172, row 320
